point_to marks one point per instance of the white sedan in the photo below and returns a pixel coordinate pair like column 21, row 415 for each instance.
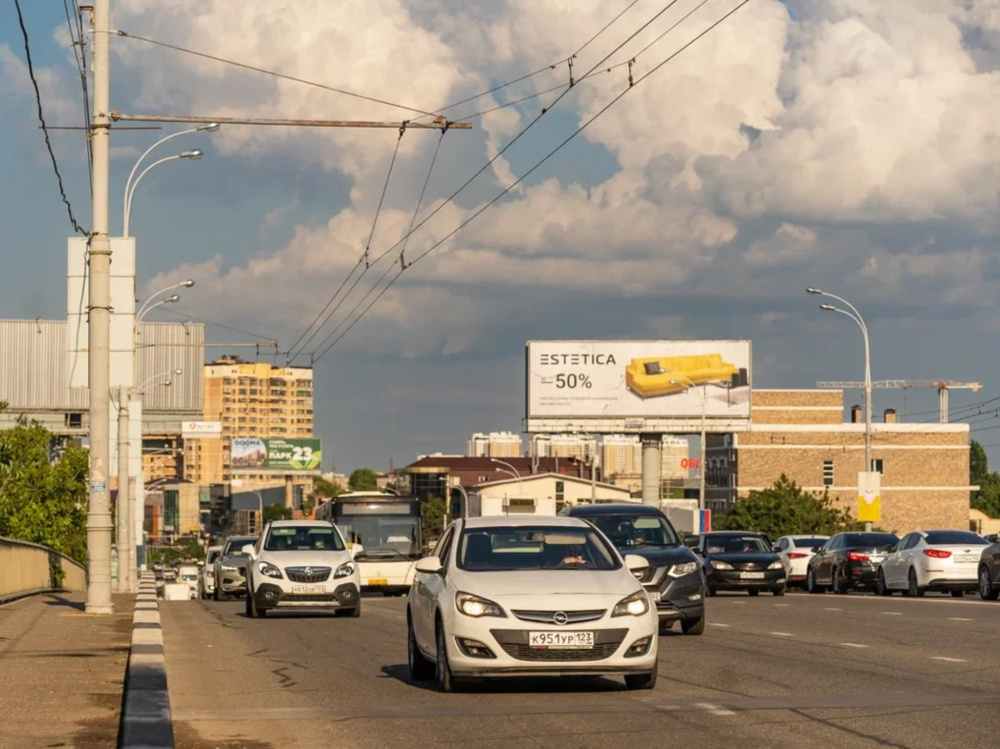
column 795, row 553
column 947, row 561
column 506, row 596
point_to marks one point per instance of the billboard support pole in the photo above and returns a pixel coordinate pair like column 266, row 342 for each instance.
column 289, row 492
column 651, row 444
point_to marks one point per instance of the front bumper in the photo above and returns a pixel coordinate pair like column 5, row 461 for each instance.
column 232, row 581
column 681, row 598
column 732, row 580
column 272, row 596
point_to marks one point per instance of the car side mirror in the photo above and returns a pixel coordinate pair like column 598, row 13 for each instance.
column 357, row 550
column 691, row 541
column 636, row 563
column 429, row 565
column 249, row 551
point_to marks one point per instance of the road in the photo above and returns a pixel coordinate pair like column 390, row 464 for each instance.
column 817, row 671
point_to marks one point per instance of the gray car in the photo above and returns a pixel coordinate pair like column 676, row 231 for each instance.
column 230, row 568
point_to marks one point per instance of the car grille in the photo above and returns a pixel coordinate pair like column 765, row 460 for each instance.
column 528, row 653
column 750, row 566
column 315, row 575
column 317, row 597
column 549, row 617
column 645, row 575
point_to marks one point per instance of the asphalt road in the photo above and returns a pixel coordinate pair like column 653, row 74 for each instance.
column 798, row 671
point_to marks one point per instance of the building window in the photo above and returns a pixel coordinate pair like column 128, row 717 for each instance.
column 827, row 473
column 877, row 465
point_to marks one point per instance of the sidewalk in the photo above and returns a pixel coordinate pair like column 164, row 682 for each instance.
column 61, row 672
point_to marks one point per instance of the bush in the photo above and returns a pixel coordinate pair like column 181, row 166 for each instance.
column 784, row 509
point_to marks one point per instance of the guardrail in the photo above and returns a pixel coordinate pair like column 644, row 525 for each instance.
column 26, row 569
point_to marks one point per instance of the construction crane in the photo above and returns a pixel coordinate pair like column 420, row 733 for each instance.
column 942, row 386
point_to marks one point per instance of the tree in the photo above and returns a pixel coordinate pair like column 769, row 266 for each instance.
column 987, row 499
column 277, row 512
column 327, row 489
column 43, row 496
column 785, row 508
column 432, row 513
column 363, row 480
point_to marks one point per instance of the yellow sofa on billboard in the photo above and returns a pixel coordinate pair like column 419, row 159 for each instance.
column 665, row 375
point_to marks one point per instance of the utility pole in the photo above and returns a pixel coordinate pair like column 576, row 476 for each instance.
column 123, row 507
column 99, row 311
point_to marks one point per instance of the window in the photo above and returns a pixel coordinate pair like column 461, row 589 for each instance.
column 444, row 546
column 560, row 491
column 877, row 465
column 827, row 473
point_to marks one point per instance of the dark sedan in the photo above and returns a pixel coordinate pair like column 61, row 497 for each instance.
column 673, row 579
column 739, row 560
column 848, row 560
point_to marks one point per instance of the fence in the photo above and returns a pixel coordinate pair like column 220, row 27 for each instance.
column 27, row 568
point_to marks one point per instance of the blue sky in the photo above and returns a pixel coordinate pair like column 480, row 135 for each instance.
column 873, row 175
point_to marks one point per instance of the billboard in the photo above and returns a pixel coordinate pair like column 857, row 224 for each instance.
column 275, row 454
column 196, row 429
column 638, row 386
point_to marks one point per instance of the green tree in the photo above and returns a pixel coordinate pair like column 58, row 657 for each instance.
column 327, row 489
column 277, row 512
column 432, row 514
column 43, row 500
column 308, row 504
column 363, row 480
column 785, row 508
column 987, row 499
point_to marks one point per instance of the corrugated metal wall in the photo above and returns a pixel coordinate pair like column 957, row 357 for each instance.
column 33, row 366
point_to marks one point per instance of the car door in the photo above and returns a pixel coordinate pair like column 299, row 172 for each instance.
column 821, row 562
column 781, row 549
column 428, row 590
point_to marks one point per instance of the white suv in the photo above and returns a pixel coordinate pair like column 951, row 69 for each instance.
column 302, row 564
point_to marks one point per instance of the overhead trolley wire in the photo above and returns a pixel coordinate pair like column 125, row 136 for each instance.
column 579, row 130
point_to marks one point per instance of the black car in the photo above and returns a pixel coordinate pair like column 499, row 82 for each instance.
column 673, row 579
column 739, row 560
column 848, row 560
column 989, row 572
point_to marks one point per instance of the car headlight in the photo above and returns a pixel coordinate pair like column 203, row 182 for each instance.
column 722, row 565
column 475, row 606
column 266, row 568
column 228, row 568
column 344, row 570
column 679, row 570
column 636, row 604
column 776, row 566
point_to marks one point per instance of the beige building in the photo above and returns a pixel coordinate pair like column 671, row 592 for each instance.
column 802, row 434
column 581, row 447
column 543, row 494
column 249, row 400
column 495, row 445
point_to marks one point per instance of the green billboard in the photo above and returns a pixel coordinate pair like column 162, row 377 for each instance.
column 276, row 454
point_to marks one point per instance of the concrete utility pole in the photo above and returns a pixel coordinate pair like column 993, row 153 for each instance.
column 124, row 510
column 99, row 309
column 651, row 488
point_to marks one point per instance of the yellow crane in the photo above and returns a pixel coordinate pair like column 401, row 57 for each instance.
column 942, row 386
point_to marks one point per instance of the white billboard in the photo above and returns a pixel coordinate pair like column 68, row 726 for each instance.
column 196, row 429
column 638, row 386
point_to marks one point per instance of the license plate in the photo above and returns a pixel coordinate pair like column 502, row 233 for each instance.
column 307, row 589
column 970, row 559
column 752, row 575
column 876, row 558
column 654, row 596
column 378, row 581
column 561, row 640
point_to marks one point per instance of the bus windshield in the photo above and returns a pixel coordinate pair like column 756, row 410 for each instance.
column 383, row 536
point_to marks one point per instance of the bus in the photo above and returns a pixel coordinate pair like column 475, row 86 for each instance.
column 387, row 528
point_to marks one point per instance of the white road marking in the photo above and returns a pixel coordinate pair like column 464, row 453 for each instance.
column 947, row 660
column 716, row 624
column 830, row 609
column 959, row 619
column 714, row 709
column 781, row 634
column 891, row 613
column 851, row 645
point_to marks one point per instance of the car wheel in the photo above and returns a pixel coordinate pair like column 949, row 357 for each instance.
column 693, row 626
column 352, row 613
column 666, row 626
column 421, row 669
column 710, row 591
column 958, row 594
column 778, row 591
column 915, row 590
column 641, row 681
column 753, row 592
column 986, row 591
column 442, row 671
column 251, row 612
column 218, row 596
column 838, row 584
column 881, row 589
column 811, row 585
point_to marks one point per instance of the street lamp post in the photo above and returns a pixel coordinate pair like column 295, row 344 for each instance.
column 512, row 471
column 856, row 316
column 193, row 155
column 704, row 444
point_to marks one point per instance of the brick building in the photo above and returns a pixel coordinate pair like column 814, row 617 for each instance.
column 802, row 434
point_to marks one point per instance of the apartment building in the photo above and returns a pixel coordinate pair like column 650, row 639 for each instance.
column 580, row 447
column 495, row 445
column 249, row 399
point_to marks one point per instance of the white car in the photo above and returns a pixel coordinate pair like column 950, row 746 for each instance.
column 509, row 596
column 947, row 561
column 302, row 564
column 188, row 574
column 795, row 553
column 208, row 571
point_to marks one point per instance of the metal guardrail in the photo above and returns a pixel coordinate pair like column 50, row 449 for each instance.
column 27, row 568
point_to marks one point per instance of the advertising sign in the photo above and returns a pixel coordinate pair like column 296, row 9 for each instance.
column 869, row 497
column 275, row 454
column 196, row 429
column 638, row 386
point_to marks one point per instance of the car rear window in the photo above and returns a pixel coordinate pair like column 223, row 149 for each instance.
column 955, row 537
column 809, row 543
column 869, row 539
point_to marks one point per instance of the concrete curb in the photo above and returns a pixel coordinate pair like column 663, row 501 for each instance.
column 145, row 721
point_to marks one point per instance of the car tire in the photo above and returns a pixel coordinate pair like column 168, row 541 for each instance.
column 249, row 609
column 778, row 591
column 958, row 594
column 442, row 671
column 349, row 613
column 881, row 589
column 811, row 585
column 641, row 681
column 710, row 591
column 914, row 589
column 218, row 595
column 693, row 626
column 986, row 589
column 753, row 592
column 421, row 669
column 666, row 626
column 838, row 585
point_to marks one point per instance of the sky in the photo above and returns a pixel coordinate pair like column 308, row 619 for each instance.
column 852, row 145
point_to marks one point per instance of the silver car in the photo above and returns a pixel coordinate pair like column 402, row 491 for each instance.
column 231, row 568
column 207, row 587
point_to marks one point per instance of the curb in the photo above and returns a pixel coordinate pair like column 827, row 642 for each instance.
column 145, row 720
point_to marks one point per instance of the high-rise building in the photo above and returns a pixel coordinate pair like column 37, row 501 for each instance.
column 576, row 446
column 250, row 400
column 495, row 445
column 674, row 452
column 621, row 455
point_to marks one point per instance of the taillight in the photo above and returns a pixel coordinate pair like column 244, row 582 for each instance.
column 857, row 556
column 937, row 553
column 797, row 555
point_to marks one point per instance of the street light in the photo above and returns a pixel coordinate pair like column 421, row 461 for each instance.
column 166, row 383
column 193, row 155
column 856, row 316
column 130, row 187
column 688, row 384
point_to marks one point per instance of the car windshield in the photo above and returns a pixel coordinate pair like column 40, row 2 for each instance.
column 382, row 536
column 809, row 543
column 234, row 546
column 630, row 531
column 303, row 538
column 959, row 538
column 735, row 545
column 865, row 540
column 211, row 557
column 526, row 548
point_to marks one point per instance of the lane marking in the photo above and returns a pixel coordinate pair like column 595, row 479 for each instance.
column 832, row 609
column 959, row 619
column 714, row 709
column 781, row 634
column 716, row 624
column 891, row 613
column 851, row 645
column 947, row 660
